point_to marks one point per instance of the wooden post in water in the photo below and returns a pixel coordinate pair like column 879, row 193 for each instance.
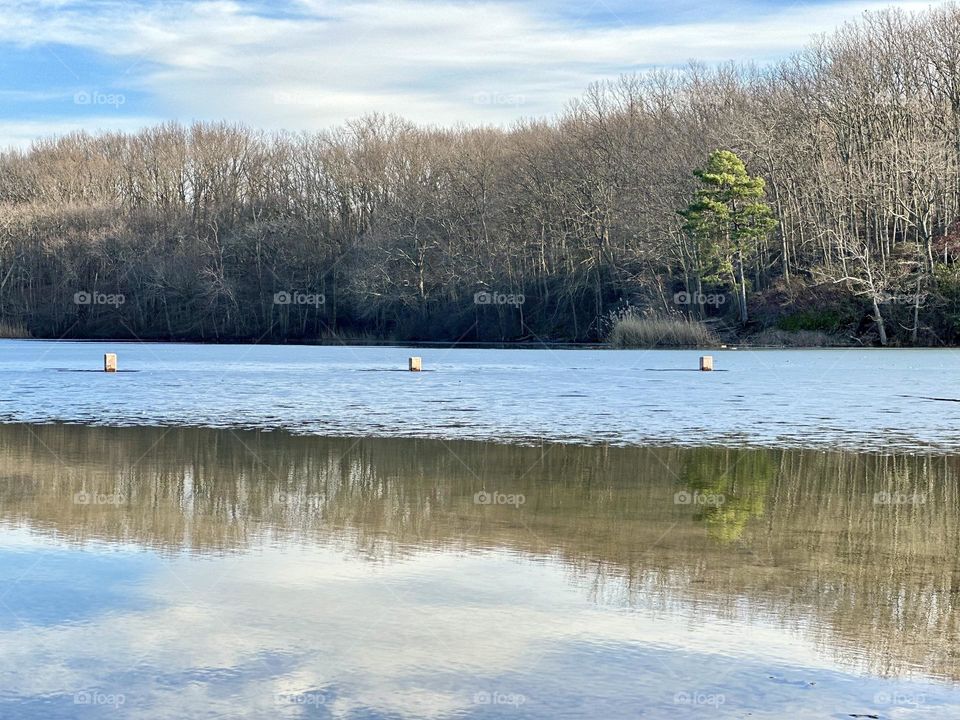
column 416, row 364
column 706, row 363
column 110, row 362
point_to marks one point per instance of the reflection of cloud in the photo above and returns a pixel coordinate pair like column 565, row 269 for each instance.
column 380, row 637
column 828, row 575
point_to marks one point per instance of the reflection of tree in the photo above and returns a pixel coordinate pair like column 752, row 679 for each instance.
column 733, row 491
column 860, row 577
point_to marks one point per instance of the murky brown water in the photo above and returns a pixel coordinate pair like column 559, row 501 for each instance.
column 156, row 573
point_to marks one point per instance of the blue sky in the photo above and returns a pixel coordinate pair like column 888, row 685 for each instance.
column 309, row 64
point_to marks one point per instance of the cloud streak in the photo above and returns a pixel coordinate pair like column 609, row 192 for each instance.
column 310, row 64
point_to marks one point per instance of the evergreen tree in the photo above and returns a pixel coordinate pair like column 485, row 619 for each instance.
column 728, row 219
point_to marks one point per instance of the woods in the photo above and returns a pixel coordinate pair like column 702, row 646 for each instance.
column 548, row 230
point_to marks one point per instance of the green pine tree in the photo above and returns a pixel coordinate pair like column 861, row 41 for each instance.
column 728, row 219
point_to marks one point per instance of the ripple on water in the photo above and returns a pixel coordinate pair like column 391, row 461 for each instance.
column 506, row 400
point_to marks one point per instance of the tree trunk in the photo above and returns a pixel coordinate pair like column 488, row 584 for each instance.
column 698, row 285
column 878, row 319
column 743, row 295
column 916, row 316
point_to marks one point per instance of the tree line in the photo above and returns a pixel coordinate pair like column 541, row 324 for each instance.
column 550, row 229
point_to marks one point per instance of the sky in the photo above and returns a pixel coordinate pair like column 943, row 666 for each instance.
column 311, row 64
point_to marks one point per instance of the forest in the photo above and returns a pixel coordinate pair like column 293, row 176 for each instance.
column 551, row 230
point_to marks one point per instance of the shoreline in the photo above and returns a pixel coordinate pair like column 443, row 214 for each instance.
column 473, row 345
column 531, row 442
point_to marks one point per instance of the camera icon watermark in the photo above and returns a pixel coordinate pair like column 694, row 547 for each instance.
column 295, row 297
column 299, row 99
column 499, row 98
column 885, row 298
column 85, row 297
column 300, row 699
column 894, row 498
column 91, row 697
column 298, row 500
column 699, row 698
column 893, row 698
column 95, row 97
column 499, row 698
column 497, row 298
column 687, row 298
column 498, row 498
column 87, row 498
column 686, row 497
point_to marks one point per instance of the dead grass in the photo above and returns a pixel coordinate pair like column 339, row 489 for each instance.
column 13, row 330
column 633, row 331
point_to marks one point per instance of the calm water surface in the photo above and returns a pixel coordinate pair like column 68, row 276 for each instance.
column 201, row 573
column 856, row 399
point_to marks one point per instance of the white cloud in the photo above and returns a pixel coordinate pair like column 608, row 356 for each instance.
column 428, row 61
column 20, row 133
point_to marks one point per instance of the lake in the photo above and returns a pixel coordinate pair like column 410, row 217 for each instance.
column 368, row 562
column 854, row 399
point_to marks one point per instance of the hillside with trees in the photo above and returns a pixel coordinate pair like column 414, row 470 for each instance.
column 843, row 219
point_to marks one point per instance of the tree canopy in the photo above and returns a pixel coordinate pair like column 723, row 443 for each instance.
column 728, row 220
column 832, row 206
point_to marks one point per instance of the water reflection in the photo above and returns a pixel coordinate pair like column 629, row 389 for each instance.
column 187, row 569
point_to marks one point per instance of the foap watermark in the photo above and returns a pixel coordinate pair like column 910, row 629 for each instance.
column 499, row 698
column 894, row 698
column 299, row 99
column 95, row 97
column 895, row 498
column 498, row 498
column 88, row 498
column 93, row 697
column 307, row 699
column 292, row 498
column 885, row 298
column 699, row 698
column 485, row 297
column 499, row 98
column 295, row 297
column 85, row 297
column 695, row 298
column 686, row 497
